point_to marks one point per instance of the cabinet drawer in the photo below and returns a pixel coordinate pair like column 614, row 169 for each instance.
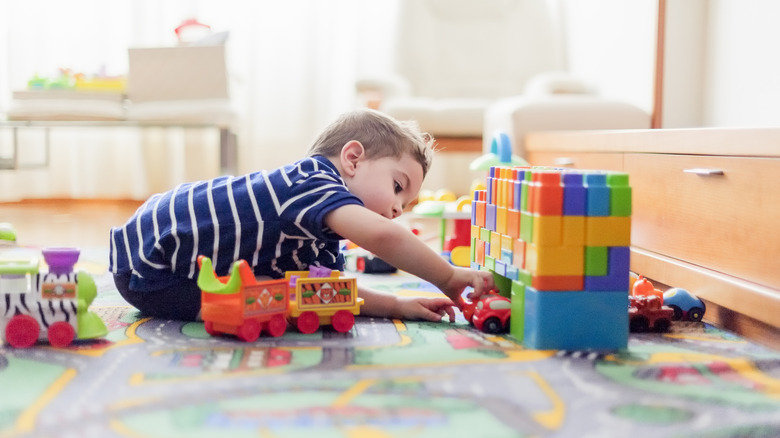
column 577, row 160
column 727, row 222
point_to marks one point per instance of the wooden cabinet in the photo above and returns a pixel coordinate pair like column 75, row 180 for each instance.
column 706, row 212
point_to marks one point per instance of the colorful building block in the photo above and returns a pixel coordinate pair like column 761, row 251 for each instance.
column 559, row 241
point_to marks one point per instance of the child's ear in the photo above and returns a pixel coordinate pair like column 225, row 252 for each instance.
column 351, row 154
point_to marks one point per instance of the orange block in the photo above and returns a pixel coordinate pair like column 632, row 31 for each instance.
column 558, row 282
column 513, row 223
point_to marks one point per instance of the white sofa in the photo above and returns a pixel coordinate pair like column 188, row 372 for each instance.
column 465, row 68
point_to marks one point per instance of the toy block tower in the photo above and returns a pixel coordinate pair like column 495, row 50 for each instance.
column 558, row 244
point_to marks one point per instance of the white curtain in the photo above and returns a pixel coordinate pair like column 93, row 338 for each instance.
column 292, row 63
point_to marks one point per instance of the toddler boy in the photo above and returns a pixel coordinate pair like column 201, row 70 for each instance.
column 360, row 173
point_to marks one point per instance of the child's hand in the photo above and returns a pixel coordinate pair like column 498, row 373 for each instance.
column 428, row 309
column 481, row 281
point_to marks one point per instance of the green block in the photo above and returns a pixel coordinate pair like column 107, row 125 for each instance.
column 490, row 263
column 620, row 194
column 517, row 320
column 524, row 277
column 503, row 284
column 526, row 226
column 484, row 235
column 596, row 261
column 473, row 250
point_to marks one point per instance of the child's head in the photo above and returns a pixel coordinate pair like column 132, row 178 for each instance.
column 381, row 136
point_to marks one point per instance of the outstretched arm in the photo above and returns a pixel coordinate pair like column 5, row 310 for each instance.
column 402, row 249
column 387, row 305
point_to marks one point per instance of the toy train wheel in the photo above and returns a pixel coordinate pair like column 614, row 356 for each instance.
column 277, row 325
column 308, row 322
column 249, row 331
column 22, row 331
column 343, row 321
column 61, row 334
column 662, row 325
column 209, row 327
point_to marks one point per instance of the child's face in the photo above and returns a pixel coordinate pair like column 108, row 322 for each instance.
column 387, row 185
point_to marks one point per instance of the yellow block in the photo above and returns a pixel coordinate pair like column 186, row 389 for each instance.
column 495, row 245
column 501, row 214
column 554, row 260
column 573, row 230
column 475, row 231
column 608, row 231
column 547, row 230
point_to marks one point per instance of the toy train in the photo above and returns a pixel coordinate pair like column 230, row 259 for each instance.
column 49, row 305
column 240, row 305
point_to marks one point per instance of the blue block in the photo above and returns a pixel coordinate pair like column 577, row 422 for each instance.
column 518, row 201
column 618, row 263
column 597, row 198
column 574, row 193
column 500, row 268
column 576, row 320
column 507, row 256
column 512, row 273
column 490, row 217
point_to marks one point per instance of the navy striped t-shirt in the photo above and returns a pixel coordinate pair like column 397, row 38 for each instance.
column 273, row 220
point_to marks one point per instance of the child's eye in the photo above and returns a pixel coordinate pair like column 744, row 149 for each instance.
column 398, row 187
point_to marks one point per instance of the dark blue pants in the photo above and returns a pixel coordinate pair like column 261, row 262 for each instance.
column 181, row 301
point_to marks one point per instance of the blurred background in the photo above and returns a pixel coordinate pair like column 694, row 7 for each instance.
column 292, row 67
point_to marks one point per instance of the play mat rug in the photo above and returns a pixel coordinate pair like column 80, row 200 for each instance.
column 384, row 378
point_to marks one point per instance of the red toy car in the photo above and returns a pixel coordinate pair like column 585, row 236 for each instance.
column 489, row 314
column 647, row 312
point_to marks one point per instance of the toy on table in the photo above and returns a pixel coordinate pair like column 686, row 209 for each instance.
column 445, row 206
column 49, row 305
column 7, row 234
column 685, row 305
column 240, row 305
column 357, row 259
column 489, row 314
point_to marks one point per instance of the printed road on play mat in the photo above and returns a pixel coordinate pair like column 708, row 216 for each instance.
column 385, row 378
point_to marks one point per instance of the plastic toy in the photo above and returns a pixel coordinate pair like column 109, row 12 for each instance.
column 7, row 234
column 558, row 243
column 240, row 305
column 643, row 287
column 444, row 206
column 647, row 312
column 49, row 305
column 489, row 314
column 685, row 305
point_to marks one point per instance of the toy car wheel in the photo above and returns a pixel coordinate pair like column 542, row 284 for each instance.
column 308, row 322
column 638, row 324
column 277, row 325
column 695, row 314
column 209, row 327
column 678, row 313
column 343, row 321
column 492, row 325
column 249, row 331
column 61, row 334
column 22, row 331
column 662, row 325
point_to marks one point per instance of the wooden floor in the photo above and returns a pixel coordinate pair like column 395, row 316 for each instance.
column 66, row 222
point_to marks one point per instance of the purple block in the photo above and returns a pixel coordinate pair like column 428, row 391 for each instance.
column 574, row 193
column 490, row 217
column 618, row 262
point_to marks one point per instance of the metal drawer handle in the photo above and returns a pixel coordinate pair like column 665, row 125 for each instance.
column 704, row 172
column 564, row 161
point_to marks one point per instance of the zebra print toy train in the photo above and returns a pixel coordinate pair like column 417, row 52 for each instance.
column 49, row 305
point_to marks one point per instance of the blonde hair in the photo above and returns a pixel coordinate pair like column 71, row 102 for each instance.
column 381, row 136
